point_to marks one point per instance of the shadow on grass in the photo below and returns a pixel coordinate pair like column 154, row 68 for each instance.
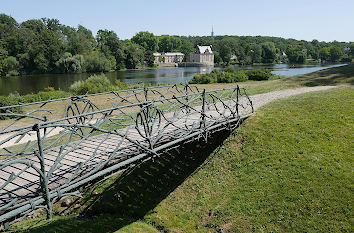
column 333, row 76
column 138, row 190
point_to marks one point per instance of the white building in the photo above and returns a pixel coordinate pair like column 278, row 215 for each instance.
column 168, row 58
column 203, row 55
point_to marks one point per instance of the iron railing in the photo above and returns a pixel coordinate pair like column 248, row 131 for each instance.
column 51, row 148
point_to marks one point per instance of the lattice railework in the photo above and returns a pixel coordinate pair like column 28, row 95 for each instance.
column 49, row 149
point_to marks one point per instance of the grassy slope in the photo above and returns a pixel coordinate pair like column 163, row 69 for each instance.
column 331, row 76
column 288, row 169
column 222, row 193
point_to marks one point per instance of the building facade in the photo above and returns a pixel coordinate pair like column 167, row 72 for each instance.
column 203, row 55
column 168, row 58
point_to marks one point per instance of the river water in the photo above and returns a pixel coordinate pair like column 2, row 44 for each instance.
column 33, row 83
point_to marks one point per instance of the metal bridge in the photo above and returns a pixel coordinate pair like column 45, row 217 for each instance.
column 49, row 149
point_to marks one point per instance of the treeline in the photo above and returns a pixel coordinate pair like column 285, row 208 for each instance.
column 47, row 46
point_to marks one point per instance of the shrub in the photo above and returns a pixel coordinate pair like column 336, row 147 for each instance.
column 12, row 99
column 229, row 69
column 259, row 74
column 42, row 96
column 217, row 76
column 121, row 85
column 231, row 77
column 49, row 89
column 203, row 79
column 12, row 73
column 94, row 84
column 124, row 86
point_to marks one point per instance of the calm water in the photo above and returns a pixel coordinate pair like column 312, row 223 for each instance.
column 34, row 83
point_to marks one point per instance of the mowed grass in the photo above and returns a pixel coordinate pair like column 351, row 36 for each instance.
column 289, row 168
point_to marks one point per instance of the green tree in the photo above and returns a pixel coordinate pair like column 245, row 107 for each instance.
column 324, row 53
column 34, row 25
column 186, row 46
column 351, row 46
column 109, row 43
column 11, row 64
column 134, row 55
column 226, row 48
column 296, row 54
column 146, row 40
column 8, row 26
column 70, row 64
column 78, row 41
column 52, row 24
column 268, row 52
column 335, row 53
column 98, row 62
column 255, row 52
column 168, row 43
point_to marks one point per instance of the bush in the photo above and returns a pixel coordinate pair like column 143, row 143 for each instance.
column 42, row 96
column 203, row 79
column 232, row 77
column 12, row 73
column 49, row 89
column 259, row 74
column 217, row 76
column 124, row 86
column 12, row 99
column 121, row 85
column 94, row 84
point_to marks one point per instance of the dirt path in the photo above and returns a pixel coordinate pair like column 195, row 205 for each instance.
column 263, row 99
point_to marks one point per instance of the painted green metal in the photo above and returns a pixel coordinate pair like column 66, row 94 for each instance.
column 132, row 126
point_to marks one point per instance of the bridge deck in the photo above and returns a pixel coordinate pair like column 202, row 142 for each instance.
column 27, row 185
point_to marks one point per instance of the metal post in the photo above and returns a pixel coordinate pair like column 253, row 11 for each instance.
column 186, row 93
column 43, row 177
column 203, row 110
column 237, row 98
column 146, row 93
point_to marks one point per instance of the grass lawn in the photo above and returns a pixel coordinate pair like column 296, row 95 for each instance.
column 288, row 168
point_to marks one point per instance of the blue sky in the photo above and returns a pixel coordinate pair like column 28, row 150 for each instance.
column 299, row 19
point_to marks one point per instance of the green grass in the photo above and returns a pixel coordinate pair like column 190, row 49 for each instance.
column 289, row 168
column 333, row 76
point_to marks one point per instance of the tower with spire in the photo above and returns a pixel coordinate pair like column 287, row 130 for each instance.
column 212, row 30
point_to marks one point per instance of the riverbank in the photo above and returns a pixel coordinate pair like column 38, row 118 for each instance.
column 35, row 83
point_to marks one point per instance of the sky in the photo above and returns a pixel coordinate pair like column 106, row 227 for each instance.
column 299, row 19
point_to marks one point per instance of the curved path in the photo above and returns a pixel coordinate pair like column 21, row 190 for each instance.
column 262, row 99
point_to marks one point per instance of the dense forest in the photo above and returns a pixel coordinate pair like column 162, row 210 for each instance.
column 47, row 46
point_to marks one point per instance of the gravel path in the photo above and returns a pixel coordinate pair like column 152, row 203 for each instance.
column 262, row 99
